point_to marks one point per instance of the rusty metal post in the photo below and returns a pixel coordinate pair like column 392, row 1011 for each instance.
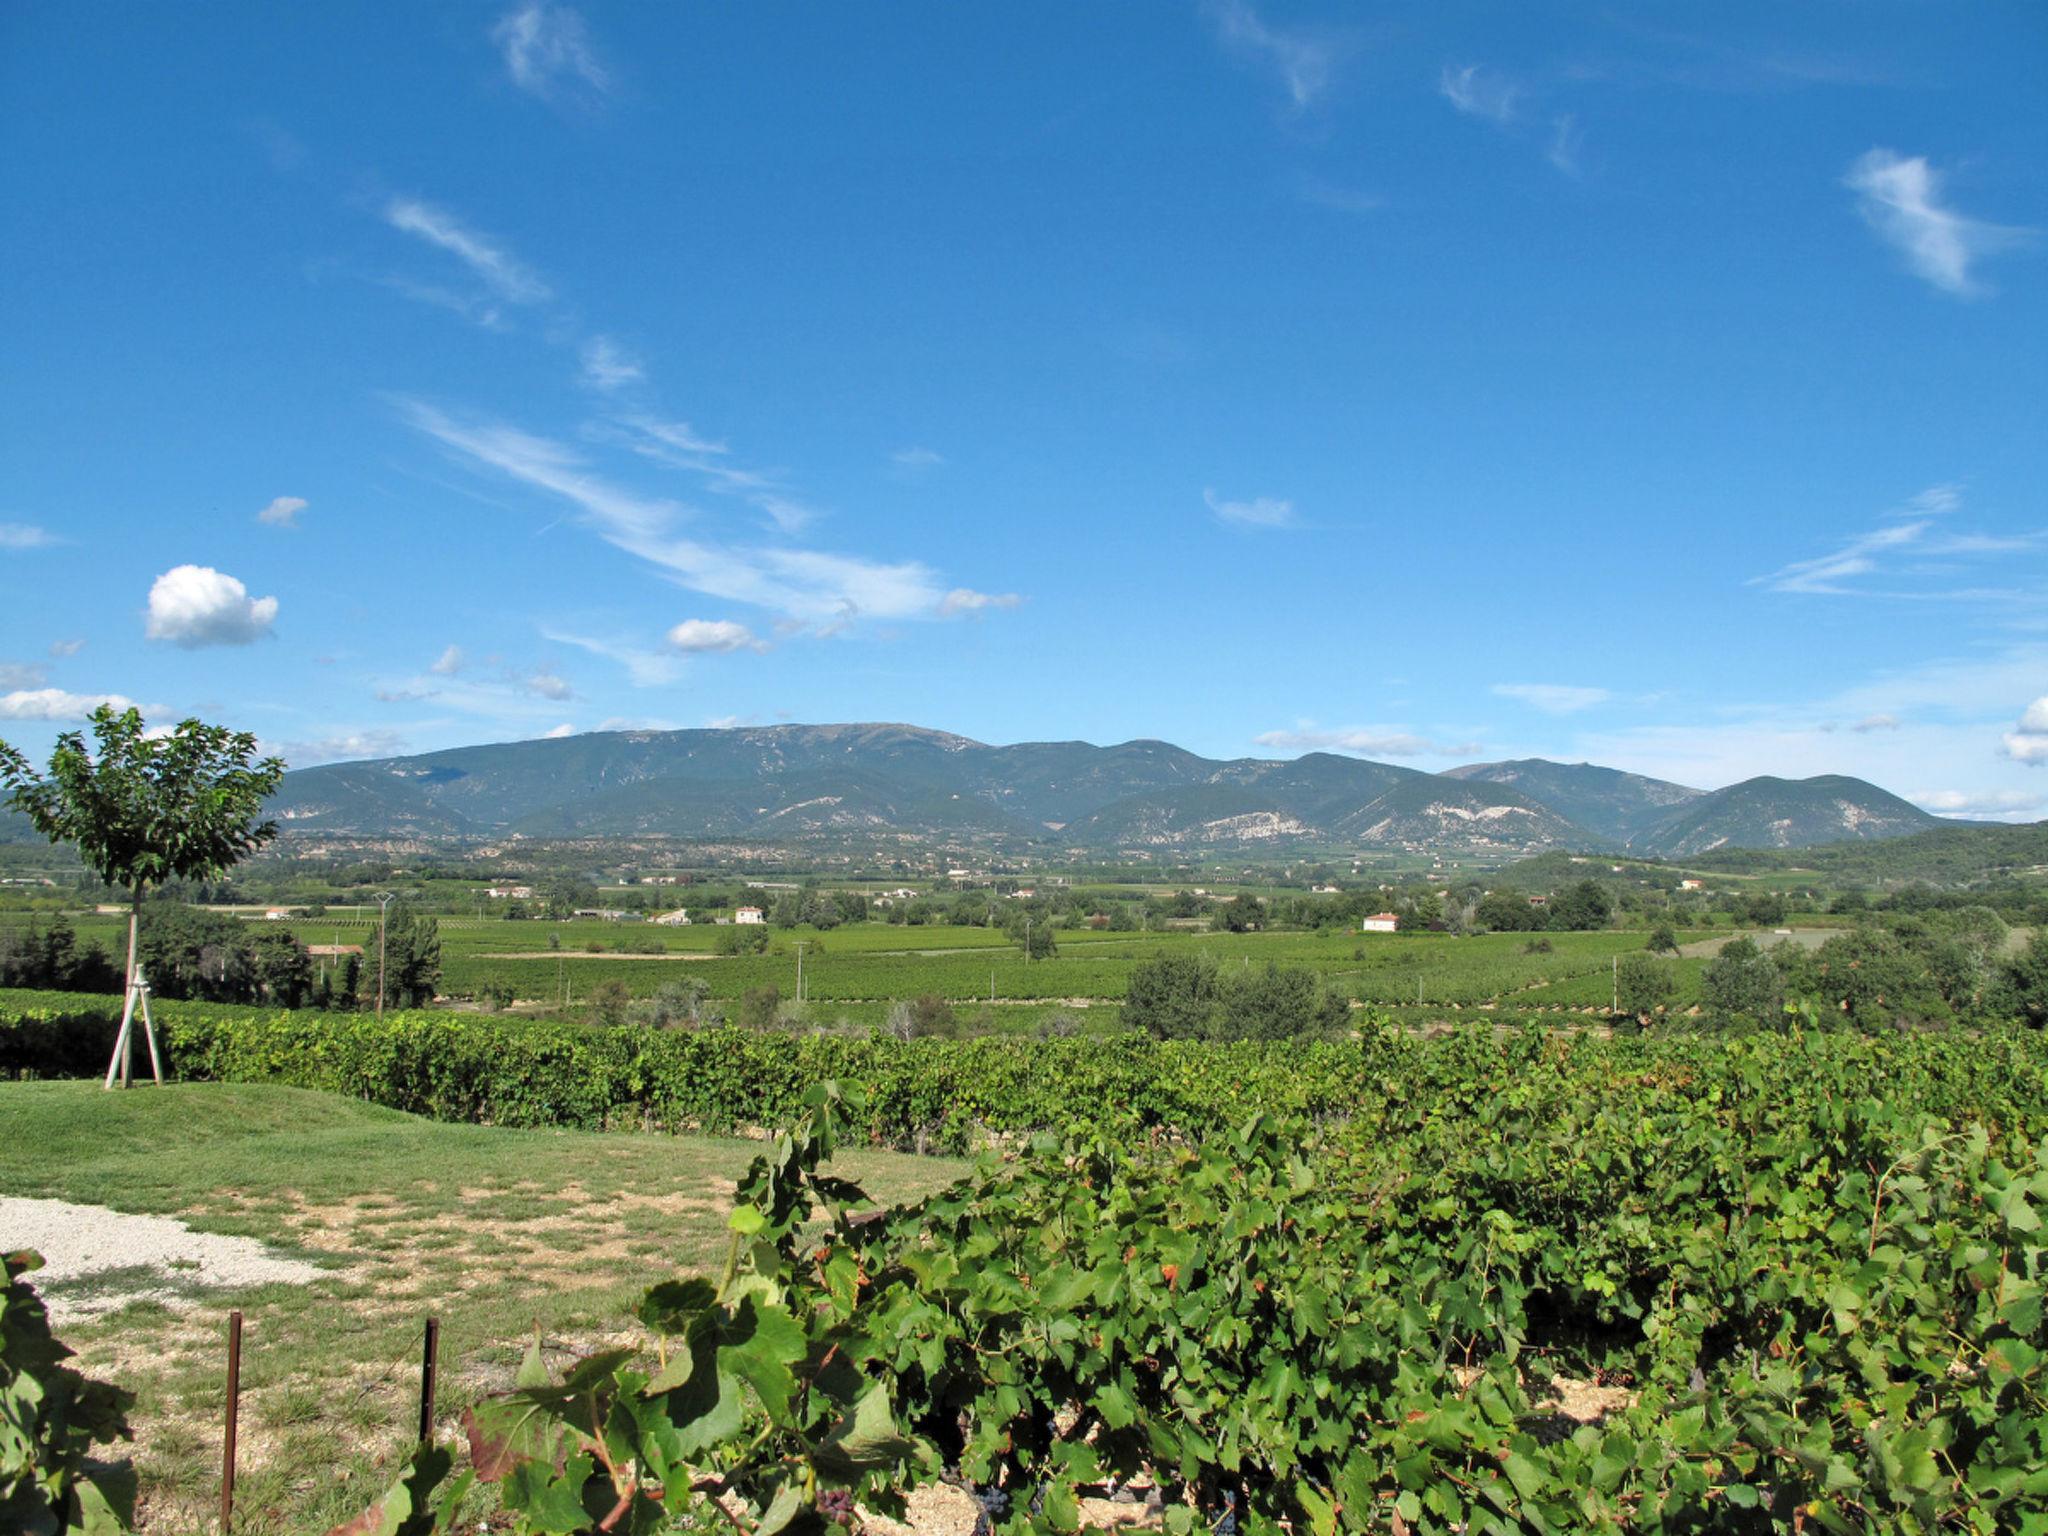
column 227, row 1450
column 430, row 1364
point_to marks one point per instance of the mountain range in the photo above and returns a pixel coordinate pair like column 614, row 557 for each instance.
column 903, row 786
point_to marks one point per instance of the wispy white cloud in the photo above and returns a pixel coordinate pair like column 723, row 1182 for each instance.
column 548, row 52
column 677, row 445
column 1480, row 92
column 609, row 366
column 449, row 663
column 1364, row 741
column 341, row 746
column 1324, row 193
column 56, row 705
column 916, row 458
column 1259, row 512
column 815, row 586
column 646, row 669
column 1909, row 545
column 1878, row 722
column 62, row 648
column 707, row 637
column 195, row 605
column 1303, row 62
column 1565, row 142
column 1553, row 698
column 26, row 536
column 497, row 269
column 556, row 733
column 283, row 512
column 966, row 600
column 1996, row 804
column 1901, row 199
column 15, row 675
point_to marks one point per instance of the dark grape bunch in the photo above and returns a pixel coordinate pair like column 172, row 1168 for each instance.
column 836, row 1505
column 993, row 1501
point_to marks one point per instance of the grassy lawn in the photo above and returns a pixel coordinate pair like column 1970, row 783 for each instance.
column 498, row 1232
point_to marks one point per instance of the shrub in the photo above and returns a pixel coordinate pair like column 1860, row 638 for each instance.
column 51, row 1417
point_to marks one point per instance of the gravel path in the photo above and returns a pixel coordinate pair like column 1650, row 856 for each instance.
column 140, row 1256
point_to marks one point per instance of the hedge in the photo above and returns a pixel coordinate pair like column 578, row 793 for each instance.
column 950, row 1094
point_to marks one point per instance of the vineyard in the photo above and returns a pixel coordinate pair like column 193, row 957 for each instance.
column 1809, row 1272
column 857, row 969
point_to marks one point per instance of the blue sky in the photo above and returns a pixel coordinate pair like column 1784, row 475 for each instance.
column 1657, row 386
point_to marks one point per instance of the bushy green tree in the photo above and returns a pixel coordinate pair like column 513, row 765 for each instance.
column 1742, row 982
column 1643, row 985
column 1581, row 907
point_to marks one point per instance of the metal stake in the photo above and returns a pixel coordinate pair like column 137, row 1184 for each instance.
column 429, row 1370
column 227, row 1451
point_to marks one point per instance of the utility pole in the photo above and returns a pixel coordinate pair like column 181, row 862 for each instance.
column 799, row 971
column 1614, row 965
column 383, row 907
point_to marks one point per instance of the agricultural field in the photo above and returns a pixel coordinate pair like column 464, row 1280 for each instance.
column 1536, row 1281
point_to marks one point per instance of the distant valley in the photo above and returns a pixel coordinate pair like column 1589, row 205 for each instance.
column 876, row 786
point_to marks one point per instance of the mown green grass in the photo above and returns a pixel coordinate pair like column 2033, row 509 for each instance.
column 497, row 1232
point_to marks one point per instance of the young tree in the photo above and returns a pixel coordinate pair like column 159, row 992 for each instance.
column 142, row 810
column 1645, row 985
column 1662, row 940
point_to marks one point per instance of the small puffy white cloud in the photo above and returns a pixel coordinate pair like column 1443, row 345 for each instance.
column 545, row 684
column 966, row 600
column 1900, row 198
column 1259, row 512
column 564, row 729
column 56, row 704
column 547, row 50
column 23, row 674
column 283, row 512
column 609, row 366
column 195, row 605
column 26, row 536
column 2028, row 743
column 1480, row 92
column 1365, row 741
column 61, row 648
column 701, row 637
column 1553, row 698
column 449, row 663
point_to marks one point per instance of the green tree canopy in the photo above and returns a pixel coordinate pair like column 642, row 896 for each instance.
column 144, row 809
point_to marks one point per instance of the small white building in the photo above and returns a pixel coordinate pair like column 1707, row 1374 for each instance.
column 680, row 918
column 1690, row 885
column 1380, row 922
column 276, row 914
column 749, row 915
column 510, row 893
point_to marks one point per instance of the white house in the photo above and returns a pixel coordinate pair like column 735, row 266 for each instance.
column 1690, row 885
column 680, row 918
column 1380, row 922
column 749, row 915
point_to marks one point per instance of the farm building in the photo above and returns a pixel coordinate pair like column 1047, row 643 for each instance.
column 1690, row 885
column 510, row 893
column 749, row 915
column 680, row 918
column 1381, row 922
